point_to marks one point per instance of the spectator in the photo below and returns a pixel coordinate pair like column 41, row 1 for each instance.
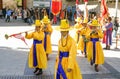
column 116, row 25
column 8, row 14
column 4, row 12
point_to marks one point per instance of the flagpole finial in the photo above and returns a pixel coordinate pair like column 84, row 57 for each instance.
column 6, row 36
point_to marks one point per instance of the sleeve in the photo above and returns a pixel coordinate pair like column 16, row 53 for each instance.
column 72, row 54
column 82, row 31
column 100, row 34
column 50, row 29
column 88, row 34
column 29, row 36
column 110, row 25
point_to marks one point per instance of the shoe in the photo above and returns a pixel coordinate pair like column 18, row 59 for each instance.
column 85, row 56
column 96, row 68
column 39, row 72
column 36, row 69
column 82, row 52
column 105, row 48
column 91, row 62
column 47, row 57
column 108, row 48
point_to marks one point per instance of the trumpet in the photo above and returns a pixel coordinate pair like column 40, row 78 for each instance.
column 7, row 36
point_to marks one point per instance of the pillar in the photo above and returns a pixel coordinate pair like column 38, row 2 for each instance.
column 1, row 4
column 24, row 4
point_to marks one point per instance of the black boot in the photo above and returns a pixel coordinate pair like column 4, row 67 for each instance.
column 85, row 55
column 96, row 68
column 91, row 62
column 82, row 52
column 39, row 72
column 36, row 69
column 108, row 47
column 47, row 56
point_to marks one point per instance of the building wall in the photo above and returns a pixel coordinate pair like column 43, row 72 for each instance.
column 29, row 4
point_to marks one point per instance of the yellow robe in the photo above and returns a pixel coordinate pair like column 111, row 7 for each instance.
column 40, row 52
column 70, row 61
column 76, row 27
column 99, row 57
column 48, row 31
column 81, row 40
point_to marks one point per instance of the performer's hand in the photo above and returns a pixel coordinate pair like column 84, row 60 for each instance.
column 96, row 31
column 91, row 32
column 69, row 70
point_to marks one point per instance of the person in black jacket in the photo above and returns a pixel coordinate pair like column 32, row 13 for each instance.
column 116, row 25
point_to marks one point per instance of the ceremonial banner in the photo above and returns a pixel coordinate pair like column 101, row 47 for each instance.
column 56, row 6
column 77, row 2
column 85, row 0
column 19, row 36
column 104, row 9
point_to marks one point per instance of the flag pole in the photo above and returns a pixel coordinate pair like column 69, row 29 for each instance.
column 7, row 36
column 50, row 9
column 116, row 6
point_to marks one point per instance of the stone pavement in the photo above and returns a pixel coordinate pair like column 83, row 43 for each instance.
column 13, row 65
column 14, row 54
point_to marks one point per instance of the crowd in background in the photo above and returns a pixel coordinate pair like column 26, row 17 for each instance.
column 70, row 13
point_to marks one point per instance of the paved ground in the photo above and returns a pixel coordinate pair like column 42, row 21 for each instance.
column 14, row 54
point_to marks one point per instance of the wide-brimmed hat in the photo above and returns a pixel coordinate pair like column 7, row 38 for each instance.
column 45, row 20
column 64, row 26
column 94, row 23
column 85, row 21
column 78, row 19
column 37, row 23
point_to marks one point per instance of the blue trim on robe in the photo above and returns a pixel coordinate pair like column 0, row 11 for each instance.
column 45, row 40
column 83, row 36
column 34, row 51
column 85, row 48
column 94, row 40
column 60, row 70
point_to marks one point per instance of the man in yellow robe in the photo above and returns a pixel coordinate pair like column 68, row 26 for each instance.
column 37, row 56
column 94, row 48
column 82, row 43
column 66, row 66
column 77, row 26
column 47, row 39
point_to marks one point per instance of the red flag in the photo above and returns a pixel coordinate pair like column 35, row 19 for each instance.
column 104, row 9
column 56, row 6
column 104, row 37
column 19, row 36
column 77, row 2
column 85, row 0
